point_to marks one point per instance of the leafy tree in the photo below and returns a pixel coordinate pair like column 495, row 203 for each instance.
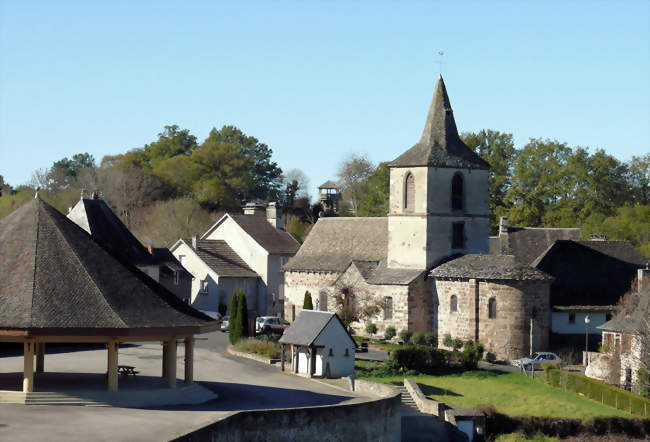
column 242, row 315
column 307, row 304
column 405, row 336
column 498, row 149
column 639, row 178
column 353, row 175
column 375, row 200
column 298, row 181
column 354, row 305
column 390, row 333
column 629, row 224
column 234, row 331
column 371, row 328
column 419, row 339
column 166, row 221
column 297, row 229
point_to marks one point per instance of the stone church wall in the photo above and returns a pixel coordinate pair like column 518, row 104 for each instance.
column 507, row 336
column 297, row 283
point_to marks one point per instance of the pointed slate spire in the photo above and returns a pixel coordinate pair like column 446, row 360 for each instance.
column 440, row 145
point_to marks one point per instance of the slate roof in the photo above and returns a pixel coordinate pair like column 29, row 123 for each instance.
column 308, row 326
column 392, row 276
column 440, row 145
column 274, row 241
column 329, row 185
column 622, row 250
column 57, row 280
column 163, row 256
column 108, row 230
column 632, row 322
column 218, row 255
column 490, row 267
column 334, row 242
column 585, row 276
column 528, row 243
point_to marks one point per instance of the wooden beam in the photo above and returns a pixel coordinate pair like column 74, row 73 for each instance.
column 189, row 359
column 40, row 357
column 171, row 363
column 113, row 347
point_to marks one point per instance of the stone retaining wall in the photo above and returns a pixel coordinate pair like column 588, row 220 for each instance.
column 424, row 404
column 252, row 356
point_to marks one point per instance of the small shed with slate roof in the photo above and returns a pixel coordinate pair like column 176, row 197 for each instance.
column 320, row 345
column 60, row 285
column 496, row 300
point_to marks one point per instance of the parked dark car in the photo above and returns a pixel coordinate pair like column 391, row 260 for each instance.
column 266, row 325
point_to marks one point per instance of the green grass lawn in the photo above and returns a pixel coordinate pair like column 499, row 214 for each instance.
column 513, row 394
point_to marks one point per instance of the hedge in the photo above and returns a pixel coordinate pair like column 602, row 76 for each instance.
column 600, row 392
column 420, row 358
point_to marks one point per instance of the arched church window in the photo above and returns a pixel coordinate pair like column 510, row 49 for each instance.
column 492, row 308
column 457, row 192
column 453, row 304
column 409, row 193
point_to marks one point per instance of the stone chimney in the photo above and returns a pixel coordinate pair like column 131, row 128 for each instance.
column 254, row 209
column 643, row 278
column 503, row 225
column 274, row 215
column 195, row 242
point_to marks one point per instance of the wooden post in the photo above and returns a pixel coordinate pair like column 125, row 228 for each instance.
column 40, row 357
column 28, row 367
column 113, row 347
column 189, row 359
column 170, row 366
column 531, row 337
column 164, row 359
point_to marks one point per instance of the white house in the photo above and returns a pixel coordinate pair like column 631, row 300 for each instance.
column 217, row 273
column 320, row 345
column 244, row 252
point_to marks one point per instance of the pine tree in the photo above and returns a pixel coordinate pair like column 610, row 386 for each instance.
column 242, row 315
column 307, row 304
column 234, row 332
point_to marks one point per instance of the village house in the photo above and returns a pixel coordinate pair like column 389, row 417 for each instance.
column 320, row 345
column 239, row 252
column 96, row 217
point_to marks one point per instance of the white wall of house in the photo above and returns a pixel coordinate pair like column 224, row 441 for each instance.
column 560, row 322
column 220, row 289
column 334, row 338
column 248, row 250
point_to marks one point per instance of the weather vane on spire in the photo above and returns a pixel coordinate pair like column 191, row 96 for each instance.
column 441, row 54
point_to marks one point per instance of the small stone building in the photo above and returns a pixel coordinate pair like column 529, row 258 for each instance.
column 494, row 300
column 320, row 345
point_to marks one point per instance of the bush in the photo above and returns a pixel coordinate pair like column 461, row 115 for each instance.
column 472, row 353
column 234, row 333
column 242, row 315
column 431, row 339
column 390, row 333
column 307, row 304
column 405, row 336
column 447, row 341
column 457, row 344
column 262, row 347
column 421, row 359
column 371, row 328
column 418, row 339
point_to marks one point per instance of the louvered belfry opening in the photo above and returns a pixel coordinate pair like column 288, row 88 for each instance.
column 457, row 192
column 409, row 197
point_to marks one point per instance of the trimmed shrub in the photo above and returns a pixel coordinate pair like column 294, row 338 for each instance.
column 233, row 331
column 262, row 347
column 307, row 304
column 447, row 341
column 390, row 333
column 471, row 354
column 431, row 339
column 242, row 315
column 421, row 359
column 371, row 328
column 418, row 339
column 222, row 309
column 405, row 336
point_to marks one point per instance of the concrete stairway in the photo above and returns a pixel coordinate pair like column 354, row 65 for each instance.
column 408, row 404
column 46, row 398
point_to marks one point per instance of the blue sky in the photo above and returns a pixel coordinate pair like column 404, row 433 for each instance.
column 317, row 81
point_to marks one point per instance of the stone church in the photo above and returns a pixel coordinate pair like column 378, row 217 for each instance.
column 427, row 262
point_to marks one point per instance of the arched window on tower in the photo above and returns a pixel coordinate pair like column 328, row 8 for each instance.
column 457, row 192
column 409, row 193
column 453, row 304
column 492, row 308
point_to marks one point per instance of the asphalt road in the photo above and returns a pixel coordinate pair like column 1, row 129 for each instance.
column 241, row 384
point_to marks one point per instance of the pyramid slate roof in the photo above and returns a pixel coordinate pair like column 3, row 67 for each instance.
column 57, row 280
column 329, row 184
column 334, row 242
column 621, row 250
column 440, row 145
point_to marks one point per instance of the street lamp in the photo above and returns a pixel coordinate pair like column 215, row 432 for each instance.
column 587, row 321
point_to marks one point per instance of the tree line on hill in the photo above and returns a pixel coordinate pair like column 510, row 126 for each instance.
column 544, row 184
column 176, row 186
